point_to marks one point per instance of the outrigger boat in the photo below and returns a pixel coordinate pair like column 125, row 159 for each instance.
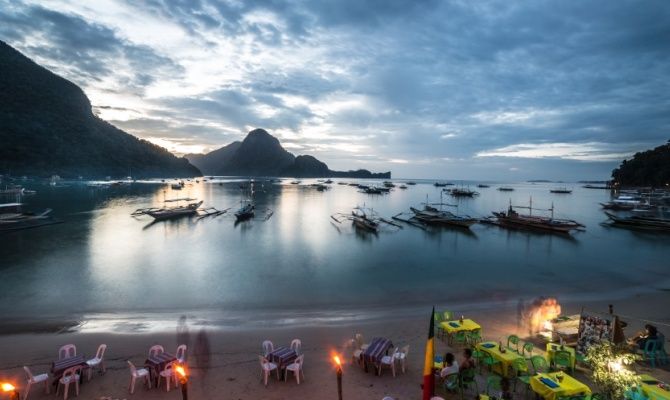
column 641, row 222
column 481, row 185
column 246, row 211
column 178, row 211
column 462, row 192
column 562, row 190
column 622, row 203
column 364, row 219
column 433, row 216
column 506, row 189
column 512, row 219
column 12, row 218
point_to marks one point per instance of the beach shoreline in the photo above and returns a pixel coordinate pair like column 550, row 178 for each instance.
column 233, row 364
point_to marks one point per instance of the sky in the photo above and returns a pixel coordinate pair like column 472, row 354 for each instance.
column 495, row 90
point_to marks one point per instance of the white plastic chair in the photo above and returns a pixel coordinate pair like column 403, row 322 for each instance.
column 268, row 347
column 181, row 354
column 35, row 379
column 138, row 373
column 70, row 375
column 296, row 368
column 266, row 368
column 389, row 361
column 97, row 361
column 67, row 351
column 155, row 350
column 359, row 342
column 296, row 345
column 356, row 351
column 169, row 374
column 401, row 356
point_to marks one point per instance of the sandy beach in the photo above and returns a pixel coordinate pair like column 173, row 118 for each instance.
column 234, row 371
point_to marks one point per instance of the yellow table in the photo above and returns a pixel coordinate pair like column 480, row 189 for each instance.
column 568, row 387
column 506, row 359
column 452, row 327
column 652, row 390
column 553, row 348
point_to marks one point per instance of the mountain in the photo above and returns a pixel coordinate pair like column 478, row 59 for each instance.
column 47, row 127
column 647, row 168
column 261, row 154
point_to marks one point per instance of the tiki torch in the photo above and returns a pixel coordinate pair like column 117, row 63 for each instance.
column 339, row 376
column 8, row 387
column 183, row 381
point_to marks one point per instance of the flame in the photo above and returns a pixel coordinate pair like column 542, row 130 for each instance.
column 539, row 313
column 7, row 387
column 181, row 371
column 337, row 360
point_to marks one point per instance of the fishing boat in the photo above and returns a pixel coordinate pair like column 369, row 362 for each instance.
column 622, row 203
column 439, row 184
column 246, row 211
column 177, row 211
column 365, row 219
column 506, row 189
column 402, row 187
column 295, row 182
column 433, row 216
column 177, row 186
column 371, row 189
column 328, row 182
column 462, row 192
column 640, row 222
column 389, row 184
column 361, row 220
column 562, row 190
column 411, row 183
column 512, row 219
column 589, row 186
column 12, row 190
column 12, row 217
column 481, row 185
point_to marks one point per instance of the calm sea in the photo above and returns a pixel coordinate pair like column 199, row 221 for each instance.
column 118, row 271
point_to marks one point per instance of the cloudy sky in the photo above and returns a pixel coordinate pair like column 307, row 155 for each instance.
column 451, row 89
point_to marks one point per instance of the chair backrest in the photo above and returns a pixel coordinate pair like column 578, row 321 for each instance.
column 448, row 316
column 30, row 374
column 493, row 383
column 452, row 380
column 513, row 339
column 181, row 352
column 650, row 345
column 101, row 351
column 299, row 360
column 155, row 350
column 72, row 371
column 468, row 375
column 133, row 369
column 438, row 317
column 268, row 347
column 527, row 348
column 539, row 364
column 359, row 340
column 296, row 345
column 562, row 358
column 405, row 350
column 67, row 351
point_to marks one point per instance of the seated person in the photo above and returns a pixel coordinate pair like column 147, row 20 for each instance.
column 468, row 362
column 650, row 333
column 449, row 366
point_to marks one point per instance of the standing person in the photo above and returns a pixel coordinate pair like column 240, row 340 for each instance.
column 202, row 354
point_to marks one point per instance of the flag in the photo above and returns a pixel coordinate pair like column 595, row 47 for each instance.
column 428, row 377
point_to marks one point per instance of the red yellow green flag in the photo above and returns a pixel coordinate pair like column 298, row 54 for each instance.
column 428, row 377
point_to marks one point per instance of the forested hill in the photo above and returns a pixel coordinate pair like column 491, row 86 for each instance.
column 47, row 127
column 647, row 168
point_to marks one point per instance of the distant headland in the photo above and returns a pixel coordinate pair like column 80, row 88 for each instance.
column 261, row 154
column 646, row 168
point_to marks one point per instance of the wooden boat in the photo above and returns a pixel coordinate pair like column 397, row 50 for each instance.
column 506, row 189
column 174, row 212
column 371, row 189
column 364, row 219
column 177, row 186
column 641, row 222
column 295, row 182
column 12, row 190
column 245, row 212
column 562, row 190
column 513, row 219
column 13, row 218
column 622, row 203
column 402, row 187
column 328, row 182
column 389, row 184
column 361, row 221
column 481, row 185
column 463, row 192
column 594, row 187
column 411, row 183
column 433, row 216
column 439, row 184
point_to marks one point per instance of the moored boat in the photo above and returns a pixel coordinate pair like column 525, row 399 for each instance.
column 511, row 218
column 246, row 211
column 174, row 212
column 562, row 190
column 641, row 222
column 432, row 216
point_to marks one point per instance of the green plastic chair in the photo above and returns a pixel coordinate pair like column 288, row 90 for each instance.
column 539, row 364
column 459, row 338
column 448, row 316
column 453, row 382
column 489, row 361
column 468, row 379
column 474, row 337
column 493, row 384
column 527, row 350
column 513, row 339
column 438, row 328
column 562, row 361
column 521, row 374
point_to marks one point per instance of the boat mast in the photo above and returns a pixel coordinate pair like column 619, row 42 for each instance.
column 530, row 208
